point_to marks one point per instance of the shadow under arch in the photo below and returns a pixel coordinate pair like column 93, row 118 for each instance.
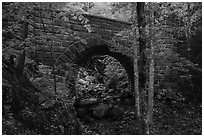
column 124, row 60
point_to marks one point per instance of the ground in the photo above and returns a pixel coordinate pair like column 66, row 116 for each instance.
column 178, row 118
column 167, row 121
column 186, row 121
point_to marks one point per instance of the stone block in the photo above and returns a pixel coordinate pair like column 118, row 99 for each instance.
column 74, row 50
column 77, row 28
column 80, row 46
column 47, row 61
column 64, row 58
column 107, row 37
column 92, row 42
column 70, row 54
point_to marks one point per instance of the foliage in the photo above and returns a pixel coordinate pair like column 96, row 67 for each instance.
column 44, row 112
column 181, row 119
column 11, row 126
column 173, row 41
column 13, row 14
column 175, row 34
column 113, row 10
column 180, row 64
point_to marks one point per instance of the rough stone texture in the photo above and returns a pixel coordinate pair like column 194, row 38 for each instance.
column 66, row 48
column 102, row 29
column 101, row 110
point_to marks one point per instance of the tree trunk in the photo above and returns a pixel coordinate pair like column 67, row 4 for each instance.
column 151, row 73
column 136, row 71
column 151, row 88
column 142, row 52
column 136, row 80
column 142, row 44
column 142, row 61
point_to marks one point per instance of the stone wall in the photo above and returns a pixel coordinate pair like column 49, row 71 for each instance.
column 65, row 47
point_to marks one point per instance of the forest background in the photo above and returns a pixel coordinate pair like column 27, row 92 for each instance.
column 169, row 40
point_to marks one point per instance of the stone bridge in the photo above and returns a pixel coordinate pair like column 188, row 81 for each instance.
column 66, row 49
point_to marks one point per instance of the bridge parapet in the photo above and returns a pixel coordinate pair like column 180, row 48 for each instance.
column 65, row 46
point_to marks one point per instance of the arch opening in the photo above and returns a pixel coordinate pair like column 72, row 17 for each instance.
column 97, row 61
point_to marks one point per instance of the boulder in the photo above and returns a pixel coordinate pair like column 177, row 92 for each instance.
column 84, row 103
column 101, row 110
column 116, row 112
column 98, row 108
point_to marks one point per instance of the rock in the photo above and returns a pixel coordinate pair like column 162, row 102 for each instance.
column 101, row 110
column 84, row 103
column 127, row 98
column 88, row 101
column 116, row 112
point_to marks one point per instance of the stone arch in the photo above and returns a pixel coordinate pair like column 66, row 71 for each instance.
column 79, row 52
